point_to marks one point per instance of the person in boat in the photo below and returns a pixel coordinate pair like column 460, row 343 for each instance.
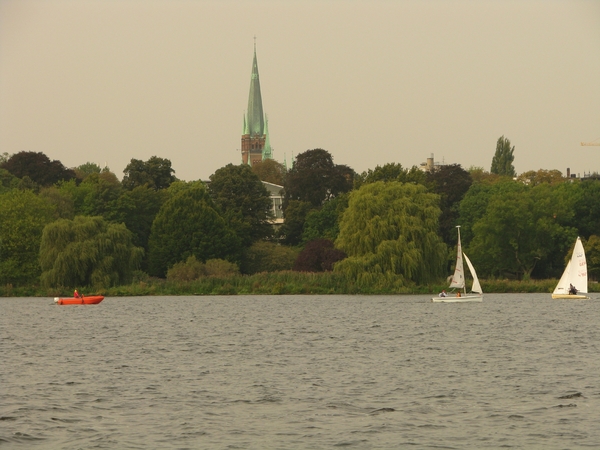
column 458, row 294
column 572, row 290
column 76, row 294
column 443, row 293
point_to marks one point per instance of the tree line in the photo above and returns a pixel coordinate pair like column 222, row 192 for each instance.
column 83, row 227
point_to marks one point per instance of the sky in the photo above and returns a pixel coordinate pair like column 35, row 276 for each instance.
column 370, row 81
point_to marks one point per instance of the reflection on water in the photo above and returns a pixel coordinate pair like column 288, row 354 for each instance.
column 287, row 372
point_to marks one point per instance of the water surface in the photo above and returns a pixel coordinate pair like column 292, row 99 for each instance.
column 288, row 372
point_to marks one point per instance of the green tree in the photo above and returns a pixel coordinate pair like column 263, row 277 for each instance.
column 95, row 196
column 38, row 167
column 586, row 206
column 290, row 232
column 502, row 162
column 86, row 169
column 87, row 251
column 24, row 216
column 8, row 181
column 391, row 229
column 519, row 231
column 189, row 224
column 243, row 201
column 592, row 253
column 156, row 173
column 314, row 178
column 270, row 171
column 533, row 178
column 474, row 203
column 451, row 182
column 137, row 209
column 391, row 172
column 64, row 206
column 324, row 223
column 266, row 256
column 192, row 269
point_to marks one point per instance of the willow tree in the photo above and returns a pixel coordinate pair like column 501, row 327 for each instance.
column 87, row 251
column 391, row 229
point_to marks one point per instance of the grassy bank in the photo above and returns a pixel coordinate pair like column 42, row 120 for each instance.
column 283, row 283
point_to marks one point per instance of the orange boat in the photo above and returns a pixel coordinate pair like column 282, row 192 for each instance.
column 85, row 300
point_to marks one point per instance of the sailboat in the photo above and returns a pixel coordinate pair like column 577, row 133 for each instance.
column 458, row 281
column 574, row 276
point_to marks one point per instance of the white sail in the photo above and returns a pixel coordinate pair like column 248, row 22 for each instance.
column 476, row 286
column 575, row 273
column 458, row 279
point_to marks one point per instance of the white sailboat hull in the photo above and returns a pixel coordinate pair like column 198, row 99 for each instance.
column 570, row 296
column 462, row 299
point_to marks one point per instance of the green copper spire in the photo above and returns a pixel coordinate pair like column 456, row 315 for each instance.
column 255, row 122
column 267, row 152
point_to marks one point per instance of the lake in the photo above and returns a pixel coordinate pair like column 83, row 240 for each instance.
column 294, row 372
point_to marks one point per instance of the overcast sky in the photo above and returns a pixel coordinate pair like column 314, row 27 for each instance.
column 372, row 82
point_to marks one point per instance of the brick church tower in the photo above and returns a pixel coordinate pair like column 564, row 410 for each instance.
column 255, row 134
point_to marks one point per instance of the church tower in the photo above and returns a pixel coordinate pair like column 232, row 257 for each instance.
column 256, row 145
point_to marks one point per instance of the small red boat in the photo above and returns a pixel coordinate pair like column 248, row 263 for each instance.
column 85, row 300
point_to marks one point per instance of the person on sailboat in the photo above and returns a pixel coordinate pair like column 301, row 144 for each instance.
column 458, row 293
column 75, row 294
column 443, row 293
column 572, row 289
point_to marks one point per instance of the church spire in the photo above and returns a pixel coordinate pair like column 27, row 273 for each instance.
column 255, row 122
column 267, row 152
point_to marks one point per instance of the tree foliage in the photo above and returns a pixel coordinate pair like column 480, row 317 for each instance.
column 592, row 254
column 64, row 206
column 266, row 256
column 23, row 217
column 318, row 255
column 8, row 181
column 451, row 182
column 189, row 224
column 95, row 196
column 586, row 206
column 391, row 228
column 502, row 162
column 295, row 214
column 243, row 201
column 324, row 222
column 533, row 178
column 38, row 167
column 519, row 231
column 473, row 206
column 156, row 173
column 88, row 168
column 137, row 209
column 192, row 269
column 391, row 172
column 87, row 251
column 270, row 171
column 314, row 178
